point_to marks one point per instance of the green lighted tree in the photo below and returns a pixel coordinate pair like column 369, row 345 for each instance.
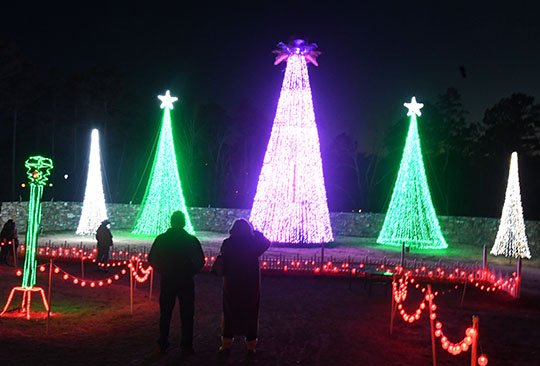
column 411, row 218
column 163, row 193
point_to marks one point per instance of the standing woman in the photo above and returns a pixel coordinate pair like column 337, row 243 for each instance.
column 9, row 241
column 241, row 284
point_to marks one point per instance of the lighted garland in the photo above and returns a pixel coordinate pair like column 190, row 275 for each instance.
column 399, row 293
column 138, row 267
column 78, row 281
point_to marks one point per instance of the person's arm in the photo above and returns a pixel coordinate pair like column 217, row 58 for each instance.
column 154, row 255
column 197, row 255
column 261, row 243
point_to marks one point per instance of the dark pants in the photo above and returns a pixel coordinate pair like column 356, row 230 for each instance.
column 4, row 250
column 102, row 254
column 185, row 292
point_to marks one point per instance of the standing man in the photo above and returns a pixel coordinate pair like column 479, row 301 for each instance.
column 104, row 242
column 177, row 256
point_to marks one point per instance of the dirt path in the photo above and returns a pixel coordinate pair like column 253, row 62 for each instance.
column 303, row 321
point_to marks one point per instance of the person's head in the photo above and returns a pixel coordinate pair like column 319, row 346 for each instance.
column 178, row 219
column 241, row 227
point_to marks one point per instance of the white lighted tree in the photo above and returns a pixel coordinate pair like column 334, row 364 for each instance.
column 94, row 210
column 511, row 240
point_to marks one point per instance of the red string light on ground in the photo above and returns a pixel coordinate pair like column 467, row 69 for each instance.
column 138, row 267
column 82, row 282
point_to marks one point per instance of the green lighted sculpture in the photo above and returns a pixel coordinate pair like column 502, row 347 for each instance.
column 411, row 218
column 163, row 193
column 38, row 169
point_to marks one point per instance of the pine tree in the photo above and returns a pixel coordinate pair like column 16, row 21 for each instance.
column 290, row 203
column 163, row 193
column 93, row 210
column 511, row 240
column 411, row 218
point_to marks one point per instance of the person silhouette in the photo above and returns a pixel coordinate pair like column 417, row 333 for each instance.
column 177, row 256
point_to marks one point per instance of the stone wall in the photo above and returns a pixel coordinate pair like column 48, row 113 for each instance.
column 64, row 216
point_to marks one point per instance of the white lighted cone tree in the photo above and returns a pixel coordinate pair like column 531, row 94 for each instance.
column 290, row 203
column 511, row 240
column 94, row 210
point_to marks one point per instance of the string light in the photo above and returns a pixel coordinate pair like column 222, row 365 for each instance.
column 411, row 218
column 290, row 203
column 93, row 210
column 511, row 240
column 163, row 193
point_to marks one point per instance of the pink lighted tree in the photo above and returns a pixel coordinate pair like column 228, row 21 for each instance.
column 290, row 203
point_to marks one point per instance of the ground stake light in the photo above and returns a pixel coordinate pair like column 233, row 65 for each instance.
column 38, row 169
column 290, row 204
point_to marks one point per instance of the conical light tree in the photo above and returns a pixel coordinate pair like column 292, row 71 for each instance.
column 290, row 203
column 93, row 210
column 163, row 193
column 511, row 240
column 411, row 218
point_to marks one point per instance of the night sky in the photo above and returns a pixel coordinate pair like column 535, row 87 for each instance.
column 374, row 57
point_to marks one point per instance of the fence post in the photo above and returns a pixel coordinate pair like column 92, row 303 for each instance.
column 82, row 267
column 131, row 287
column 431, row 326
column 518, row 274
column 474, row 348
column 14, row 253
column 393, row 306
column 49, row 294
column 151, row 284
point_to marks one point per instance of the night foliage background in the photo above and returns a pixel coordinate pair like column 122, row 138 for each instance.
column 65, row 70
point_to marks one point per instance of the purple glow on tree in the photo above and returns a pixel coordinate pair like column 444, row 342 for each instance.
column 290, row 203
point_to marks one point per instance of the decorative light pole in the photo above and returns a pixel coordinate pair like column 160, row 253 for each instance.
column 38, row 169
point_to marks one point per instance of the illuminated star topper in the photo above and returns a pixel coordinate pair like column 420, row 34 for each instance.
column 414, row 107
column 167, row 100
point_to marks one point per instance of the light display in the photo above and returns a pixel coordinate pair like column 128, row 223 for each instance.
column 411, row 218
column 163, row 193
column 93, row 210
column 290, row 203
column 511, row 240
column 38, row 170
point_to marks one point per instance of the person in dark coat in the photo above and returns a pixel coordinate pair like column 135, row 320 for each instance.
column 9, row 240
column 104, row 242
column 241, row 284
column 177, row 256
